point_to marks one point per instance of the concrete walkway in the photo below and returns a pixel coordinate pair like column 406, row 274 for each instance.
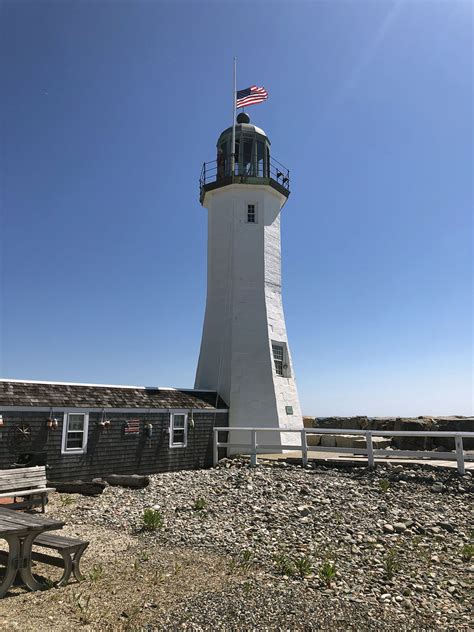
column 358, row 460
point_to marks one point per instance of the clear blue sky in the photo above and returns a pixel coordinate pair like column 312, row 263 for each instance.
column 108, row 110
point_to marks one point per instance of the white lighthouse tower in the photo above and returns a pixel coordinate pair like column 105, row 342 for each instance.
column 245, row 354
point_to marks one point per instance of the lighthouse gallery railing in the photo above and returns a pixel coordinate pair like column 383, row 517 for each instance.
column 214, row 171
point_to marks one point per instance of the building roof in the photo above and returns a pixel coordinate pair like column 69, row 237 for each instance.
column 244, row 128
column 69, row 395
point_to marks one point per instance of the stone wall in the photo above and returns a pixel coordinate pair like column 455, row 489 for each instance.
column 453, row 423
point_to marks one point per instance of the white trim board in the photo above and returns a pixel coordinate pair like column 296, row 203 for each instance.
column 58, row 409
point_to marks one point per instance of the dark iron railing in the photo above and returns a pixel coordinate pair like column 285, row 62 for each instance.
column 215, row 171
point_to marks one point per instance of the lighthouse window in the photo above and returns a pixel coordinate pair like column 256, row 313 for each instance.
column 178, row 430
column 251, row 214
column 260, row 149
column 248, row 157
column 237, row 156
column 278, row 357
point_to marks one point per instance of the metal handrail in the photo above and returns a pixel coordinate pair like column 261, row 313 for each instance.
column 212, row 172
column 369, row 451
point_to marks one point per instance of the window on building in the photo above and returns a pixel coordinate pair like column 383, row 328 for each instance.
column 260, row 153
column 278, row 358
column 237, row 157
column 251, row 214
column 75, row 433
column 178, row 430
column 247, row 157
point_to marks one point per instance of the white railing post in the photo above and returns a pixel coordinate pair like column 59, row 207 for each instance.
column 253, row 452
column 304, row 449
column 460, row 454
column 215, row 449
column 251, row 447
column 370, row 449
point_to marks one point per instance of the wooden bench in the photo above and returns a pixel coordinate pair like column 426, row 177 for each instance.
column 70, row 549
column 27, row 483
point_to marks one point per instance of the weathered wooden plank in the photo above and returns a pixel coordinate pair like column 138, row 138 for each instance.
column 14, row 517
column 26, row 485
column 26, row 504
column 22, row 478
column 16, row 491
column 16, row 480
column 11, row 475
column 20, row 471
column 32, row 468
column 27, row 492
column 58, row 542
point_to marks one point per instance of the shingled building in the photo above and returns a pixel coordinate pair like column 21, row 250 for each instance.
column 82, row 431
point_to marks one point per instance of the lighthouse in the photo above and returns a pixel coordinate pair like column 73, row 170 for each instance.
column 245, row 355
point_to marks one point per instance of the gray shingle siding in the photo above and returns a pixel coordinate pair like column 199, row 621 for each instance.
column 109, row 451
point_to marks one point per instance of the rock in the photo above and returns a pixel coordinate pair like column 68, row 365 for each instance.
column 313, row 439
column 413, row 443
column 447, row 526
column 355, row 441
column 128, row 480
column 276, row 512
column 86, row 488
column 437, row 488
column 304, row 510
column 328, row 441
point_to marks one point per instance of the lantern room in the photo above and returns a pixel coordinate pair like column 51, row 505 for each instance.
column 253, row 163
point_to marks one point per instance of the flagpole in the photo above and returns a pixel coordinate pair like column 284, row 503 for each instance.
column 232, row 158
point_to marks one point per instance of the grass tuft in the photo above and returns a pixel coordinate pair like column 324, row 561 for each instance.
column 391, row 563
column 327, row 573
column 152, row 520
column 384, row 484
column 467, row 552
column 96, row 573
column 243, row 562
column 81, row 604
column 200, row 504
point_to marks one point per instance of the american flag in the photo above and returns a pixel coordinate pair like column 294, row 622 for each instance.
column 132, row 426
column 250, row 96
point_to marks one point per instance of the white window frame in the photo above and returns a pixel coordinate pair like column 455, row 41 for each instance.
column 174, row 444
column 255, row 210
column 83, row 449
column 286, row 372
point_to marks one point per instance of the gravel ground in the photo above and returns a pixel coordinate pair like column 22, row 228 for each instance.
column 276, row 547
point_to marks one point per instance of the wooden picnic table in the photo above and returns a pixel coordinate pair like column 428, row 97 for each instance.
column 19, row 530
